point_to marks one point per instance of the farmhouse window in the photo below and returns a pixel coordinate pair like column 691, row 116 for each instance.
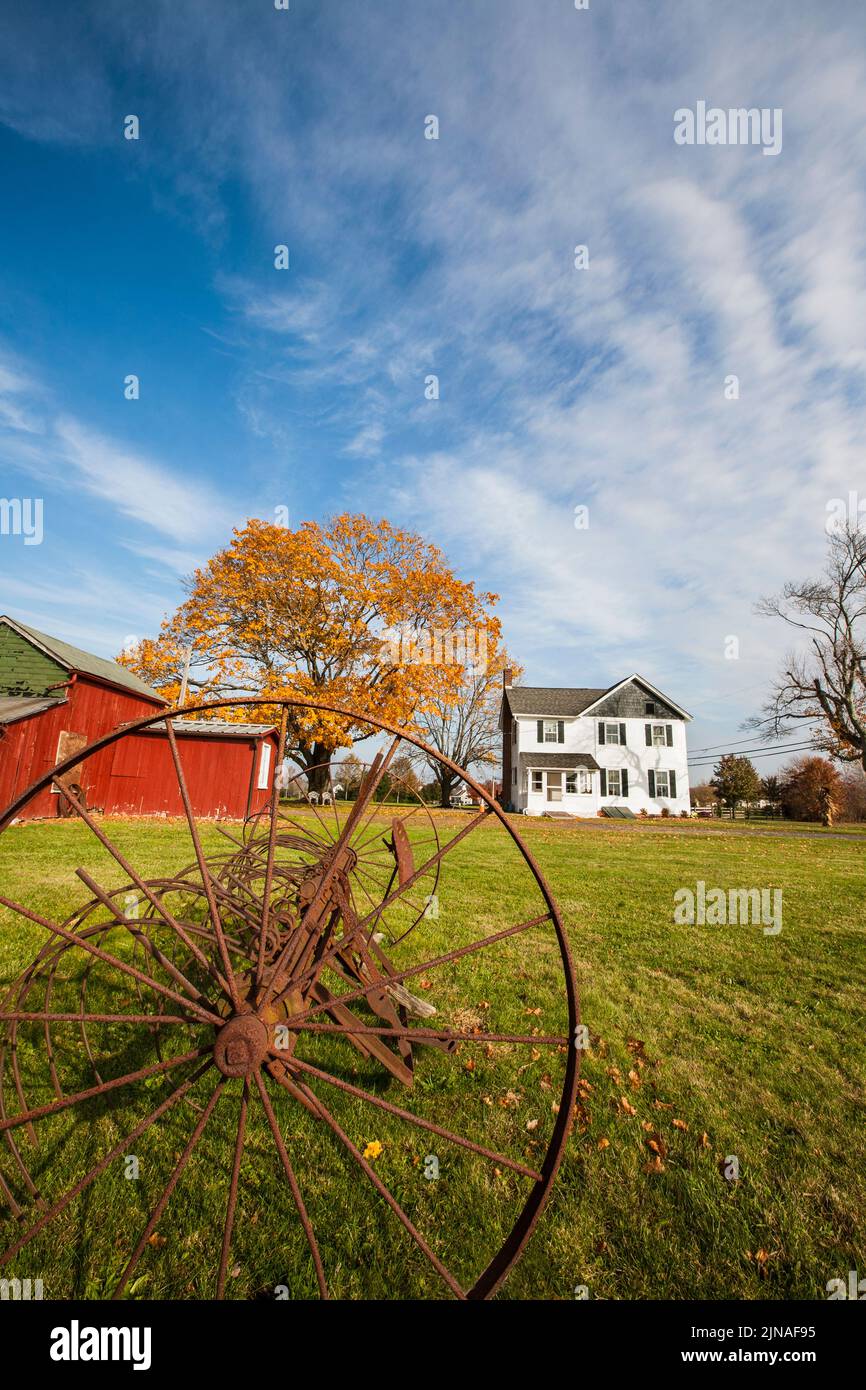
column 264, row 765
column 537, row 782
column 662, row 784
column 659, row 736
column 577, row 782
column 613, row 782
column 551, row 731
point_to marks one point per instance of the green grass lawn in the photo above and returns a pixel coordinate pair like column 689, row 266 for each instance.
column 706, row 1042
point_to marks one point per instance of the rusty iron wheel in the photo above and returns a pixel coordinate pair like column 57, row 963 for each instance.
column 250, row 971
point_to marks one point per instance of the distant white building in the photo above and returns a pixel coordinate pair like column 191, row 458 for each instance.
column 586, row 752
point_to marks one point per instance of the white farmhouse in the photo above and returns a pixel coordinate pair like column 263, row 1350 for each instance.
column 584, row 752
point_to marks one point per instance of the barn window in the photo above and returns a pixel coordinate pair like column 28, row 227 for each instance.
column 264, row 766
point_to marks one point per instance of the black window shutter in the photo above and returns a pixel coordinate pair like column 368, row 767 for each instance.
column 648, row 730
column 541, row 731
column 624, row 781
column 622, row 734
column 601, row 734
column 603, row 776
column 669, row 735
column 652, row 783
column 561, row 731
column 672, row 780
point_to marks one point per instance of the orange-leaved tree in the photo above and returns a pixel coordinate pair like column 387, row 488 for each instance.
column 350, row 614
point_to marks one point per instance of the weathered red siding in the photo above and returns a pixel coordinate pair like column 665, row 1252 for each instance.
column 221, row 775
column 28, row 748
column 136, row 774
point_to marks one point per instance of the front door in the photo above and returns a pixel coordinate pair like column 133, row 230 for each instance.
column 554, row 786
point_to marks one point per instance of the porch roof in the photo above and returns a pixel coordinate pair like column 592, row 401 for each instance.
column 566, row 762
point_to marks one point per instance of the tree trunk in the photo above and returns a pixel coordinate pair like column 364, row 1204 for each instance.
column 446, row 781
column 316, row 761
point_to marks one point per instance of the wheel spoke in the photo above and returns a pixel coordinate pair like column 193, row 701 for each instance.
column 77, row 940
column 324, row 1114
column 423, row 1034
column 20, row 1017
column 401, row 975
column 230, row 983
column 177, row 1094
column 368, row 787
column 169, row 1189
column 40, row 1111
column 272, row 835
column 427, row 865
column 139, row 882
column 296, row 1063
column 144, row 940
column 231, row 1204
column 293, row 1184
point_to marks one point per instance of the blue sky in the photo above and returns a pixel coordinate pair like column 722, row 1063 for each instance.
column 558, row 387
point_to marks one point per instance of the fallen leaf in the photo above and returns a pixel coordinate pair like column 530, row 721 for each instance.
column 373, row 1149
column 679, row 1124
column 656, row 1166
column 531, row 1124
column 156, row 1240
column 604, row 1143
column 627, row 1106
column 705, row 1141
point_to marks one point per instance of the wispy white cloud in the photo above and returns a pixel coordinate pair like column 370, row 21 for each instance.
column 140, row 488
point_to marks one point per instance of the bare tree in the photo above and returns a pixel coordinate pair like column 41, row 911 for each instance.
column 826, row 681
column 466, row 731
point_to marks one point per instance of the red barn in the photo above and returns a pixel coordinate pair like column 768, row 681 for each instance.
column 55, row 699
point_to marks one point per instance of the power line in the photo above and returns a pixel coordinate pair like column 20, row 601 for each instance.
column 712, row 747
column 768, row 753
column 764, row 748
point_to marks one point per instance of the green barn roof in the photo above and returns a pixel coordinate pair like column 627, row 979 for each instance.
column 73, row 659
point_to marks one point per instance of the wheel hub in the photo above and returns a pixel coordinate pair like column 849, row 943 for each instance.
column 241, row 1045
